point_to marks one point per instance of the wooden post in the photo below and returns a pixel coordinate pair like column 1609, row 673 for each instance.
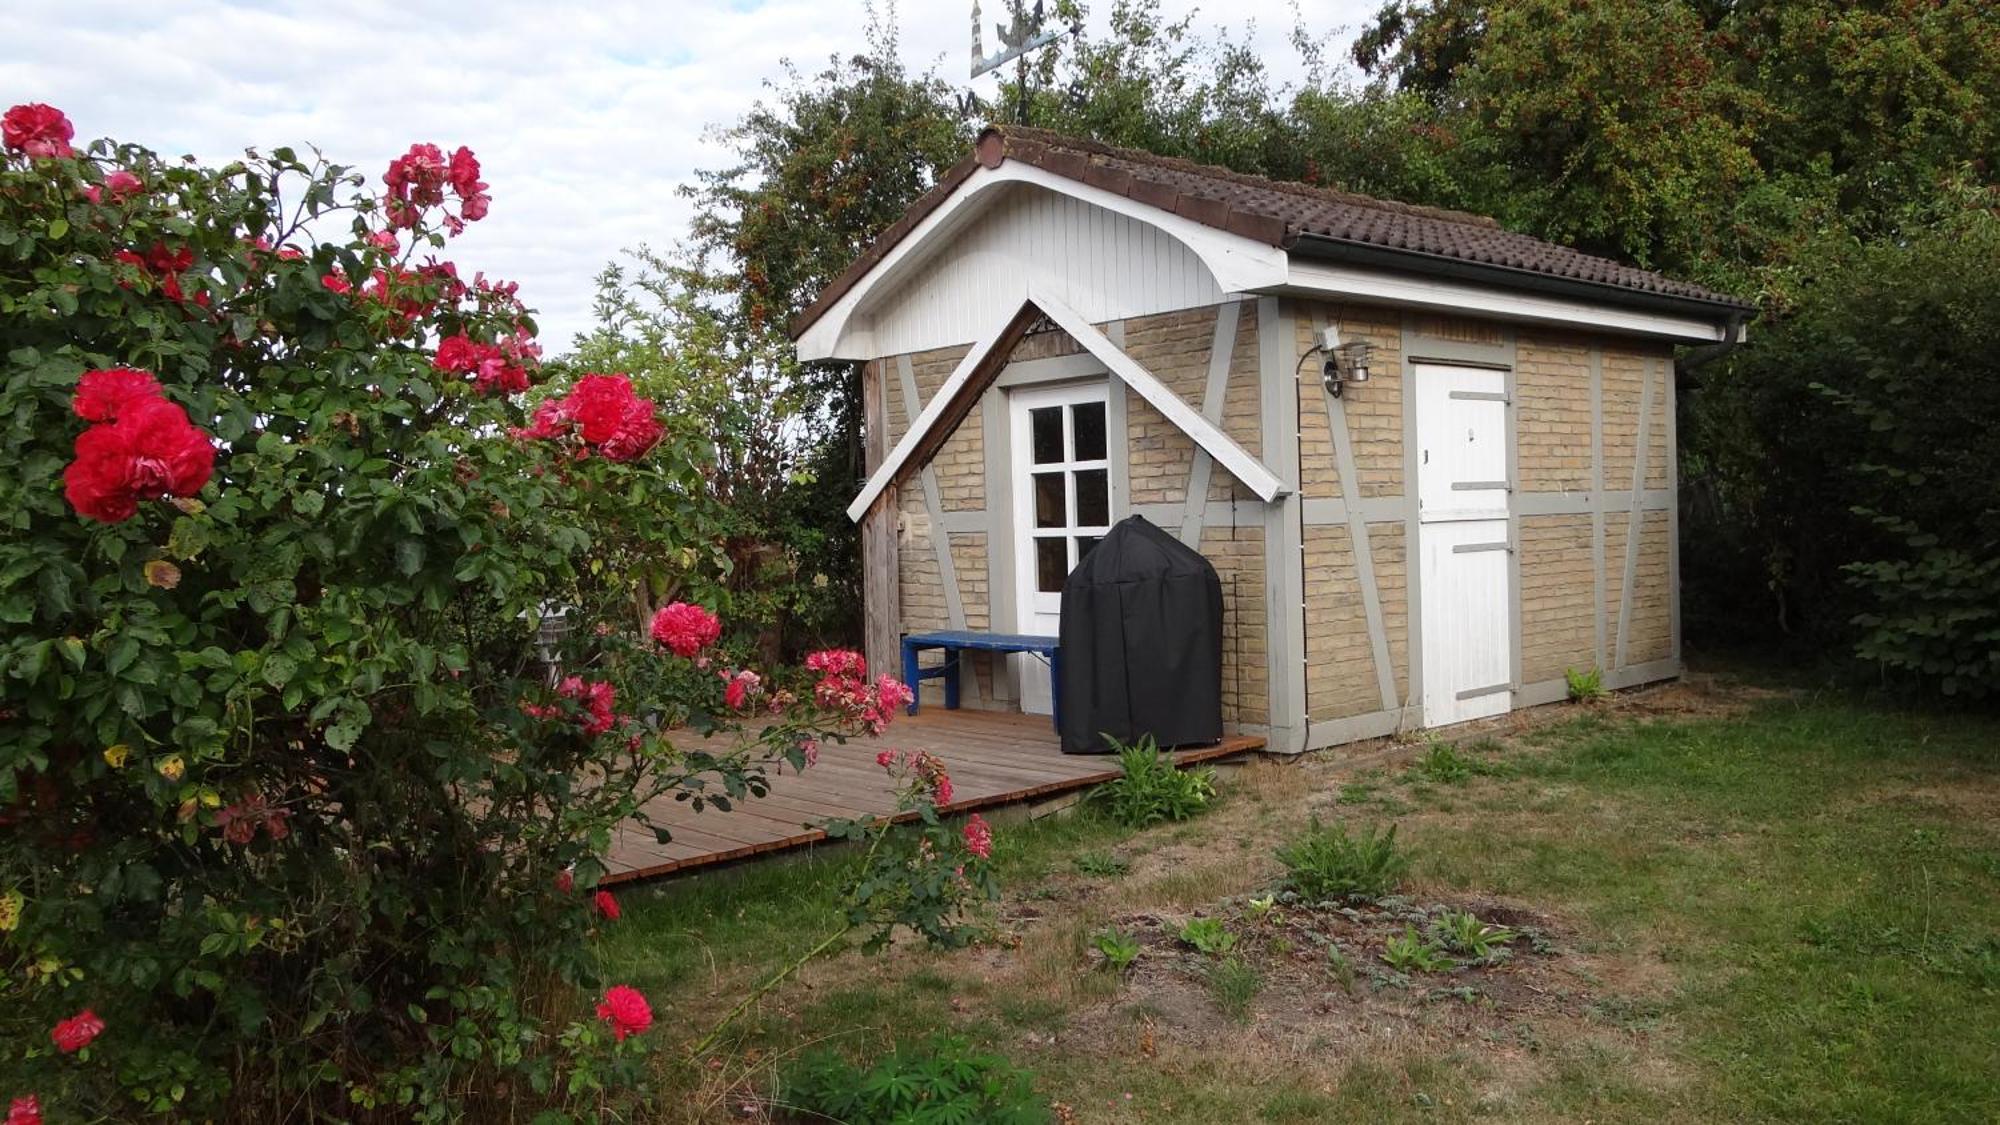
column 881, row 592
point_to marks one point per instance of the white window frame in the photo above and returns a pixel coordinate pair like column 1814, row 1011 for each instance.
column 1021, row 402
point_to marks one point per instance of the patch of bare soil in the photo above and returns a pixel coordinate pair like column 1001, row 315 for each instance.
column 1321, row 981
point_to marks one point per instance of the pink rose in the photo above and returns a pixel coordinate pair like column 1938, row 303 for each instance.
column 686, row 629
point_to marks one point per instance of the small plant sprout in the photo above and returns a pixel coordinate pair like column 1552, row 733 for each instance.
column 1326, row 864
column 1208, row 935
column 1264, row 908
column 1118, row 948
column 1444, row 765
column 1584, row 685
column 1464, row 934
column 1101, row 864
column 1412, row 953
column 1235, row 984
column 1341, row 966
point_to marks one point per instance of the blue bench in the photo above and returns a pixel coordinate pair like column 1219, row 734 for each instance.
column 955, row 641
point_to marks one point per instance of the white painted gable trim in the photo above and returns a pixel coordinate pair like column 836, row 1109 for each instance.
column 1238, row 264
column 1240, row 462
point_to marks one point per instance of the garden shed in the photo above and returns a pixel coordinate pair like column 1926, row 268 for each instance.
column 1431, row 461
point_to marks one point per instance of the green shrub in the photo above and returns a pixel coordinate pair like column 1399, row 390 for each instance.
column 1234, row 983
column 1118, row 948
column 941, row 1081
column 288, row 796
column 1326, row 863
column 1584, row 684
column 1208, row 935
column 1153, row 790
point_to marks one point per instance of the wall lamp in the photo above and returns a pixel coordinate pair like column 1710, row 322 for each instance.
column 1344, row 363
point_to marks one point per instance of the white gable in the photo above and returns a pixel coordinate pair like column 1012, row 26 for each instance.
column 1010, row 229
column 1105, row 265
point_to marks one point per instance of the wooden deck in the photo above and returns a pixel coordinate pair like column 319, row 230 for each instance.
column 994, row 758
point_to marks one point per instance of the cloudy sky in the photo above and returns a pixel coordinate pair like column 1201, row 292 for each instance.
column 586, row 117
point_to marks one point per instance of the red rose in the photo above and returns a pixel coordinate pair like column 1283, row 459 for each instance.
column 336, row 283
column 611, row 417
column 626, row 1010
column 597, row 698
column 100, row 395
column 686, row 629
column 606, row 905
column 464, row 174
column 25, row 1111
column 37, row 130
column 565, row 881
column 548, row 421
column 152, row 450
column 75, row 1033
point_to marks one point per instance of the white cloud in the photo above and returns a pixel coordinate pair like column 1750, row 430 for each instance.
column 585, row 118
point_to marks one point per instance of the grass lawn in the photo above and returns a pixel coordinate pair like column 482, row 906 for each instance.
column 1748, row 905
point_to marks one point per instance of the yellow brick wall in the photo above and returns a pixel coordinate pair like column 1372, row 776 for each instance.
column 969, row 558
column 922, row 584
column 1340, row 665
column 1374, row 411
column 1557, row 595
column 1392, row 583
column 931, row 369
column 1649, row 636
column 1319, row 469
column 1623, row 372
column 1238, row 557
column 1174, row 347
column 1242, row 403
column 1656, row 432
column 1552, row 412
column 960, row 465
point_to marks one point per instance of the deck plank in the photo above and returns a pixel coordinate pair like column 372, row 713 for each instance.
column 994, row 758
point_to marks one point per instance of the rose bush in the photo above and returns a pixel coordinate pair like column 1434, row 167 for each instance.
column 301, row 812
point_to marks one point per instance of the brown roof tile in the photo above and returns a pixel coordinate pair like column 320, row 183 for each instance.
column 1275, row 212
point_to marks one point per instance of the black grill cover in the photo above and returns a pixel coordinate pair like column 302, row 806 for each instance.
column 1141, row 643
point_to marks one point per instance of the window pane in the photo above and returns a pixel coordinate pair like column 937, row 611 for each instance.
column 1045, row 426
column 1051, row 507
column 1084, row 545
column 1093, row 499
column 1051, row 564
column 1088, row 418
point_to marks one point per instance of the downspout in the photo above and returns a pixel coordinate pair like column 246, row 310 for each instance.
column 1732, row 338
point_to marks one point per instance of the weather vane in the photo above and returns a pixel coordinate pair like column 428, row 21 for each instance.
column 1024, row 35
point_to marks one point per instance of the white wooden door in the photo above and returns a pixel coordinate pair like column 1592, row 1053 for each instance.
column 1462, row 498
column 1062, row 507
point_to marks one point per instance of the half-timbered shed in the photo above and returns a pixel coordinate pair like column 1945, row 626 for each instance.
column 1432, row 461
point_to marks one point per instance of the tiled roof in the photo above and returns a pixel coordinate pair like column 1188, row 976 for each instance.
column 1277, row 213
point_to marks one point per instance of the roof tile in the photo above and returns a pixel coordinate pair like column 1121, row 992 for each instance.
column 1276, row 212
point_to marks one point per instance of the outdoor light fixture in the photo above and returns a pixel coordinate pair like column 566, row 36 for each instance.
column 1344, row 363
